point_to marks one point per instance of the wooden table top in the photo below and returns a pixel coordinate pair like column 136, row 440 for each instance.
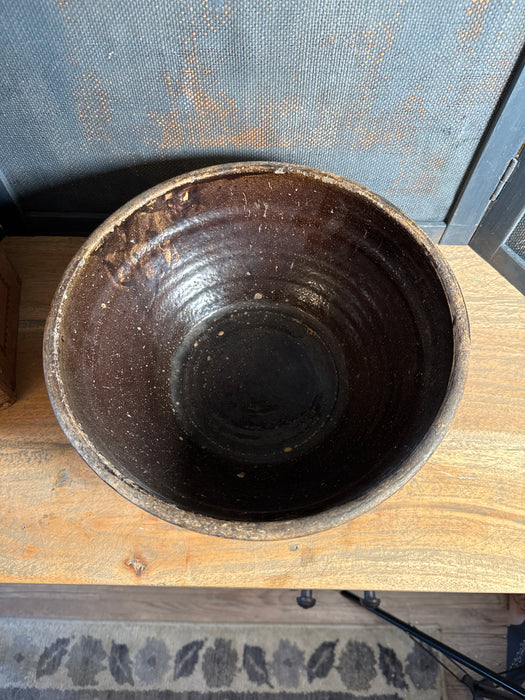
column 458, row 525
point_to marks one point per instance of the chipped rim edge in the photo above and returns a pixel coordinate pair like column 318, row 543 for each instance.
column 262, row 530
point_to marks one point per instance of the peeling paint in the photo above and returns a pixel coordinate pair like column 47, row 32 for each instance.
column 368, row 94
column 474, row 21
column 92, row 102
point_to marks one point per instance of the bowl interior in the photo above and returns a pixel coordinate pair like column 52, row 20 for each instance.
column 256, row 346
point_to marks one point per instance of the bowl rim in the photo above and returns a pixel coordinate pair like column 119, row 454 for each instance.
column 261, row 530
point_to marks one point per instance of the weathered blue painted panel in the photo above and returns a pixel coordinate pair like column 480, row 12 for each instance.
column 392, row 93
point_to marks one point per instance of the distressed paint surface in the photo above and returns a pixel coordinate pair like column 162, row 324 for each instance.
column 394, row 94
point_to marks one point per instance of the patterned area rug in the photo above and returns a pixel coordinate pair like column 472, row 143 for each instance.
column 81, row 660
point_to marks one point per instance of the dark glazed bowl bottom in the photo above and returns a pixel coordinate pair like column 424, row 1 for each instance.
column 257, row 350
column 258, row 382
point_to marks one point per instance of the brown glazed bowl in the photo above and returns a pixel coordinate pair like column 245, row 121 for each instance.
column 257, row 350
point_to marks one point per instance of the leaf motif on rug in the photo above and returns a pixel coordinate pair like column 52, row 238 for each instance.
column 51, row 658
column 321, row 661
column 187, row 658
column 132, row 660
column 254, row 663
column 120, row 664
column 392, row 668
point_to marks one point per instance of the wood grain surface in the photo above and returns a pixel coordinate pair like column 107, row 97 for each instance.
column 458, row 525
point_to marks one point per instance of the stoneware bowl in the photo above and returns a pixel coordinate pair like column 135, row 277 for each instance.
column 257, row 350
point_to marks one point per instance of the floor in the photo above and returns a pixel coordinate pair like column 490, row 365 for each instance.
column 475, row 624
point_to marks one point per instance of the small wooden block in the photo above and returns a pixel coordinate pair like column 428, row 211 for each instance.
column 9, row 308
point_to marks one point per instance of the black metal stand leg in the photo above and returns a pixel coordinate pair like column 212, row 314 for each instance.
column 371, row 600
column 436, row 644
column 306, row 599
